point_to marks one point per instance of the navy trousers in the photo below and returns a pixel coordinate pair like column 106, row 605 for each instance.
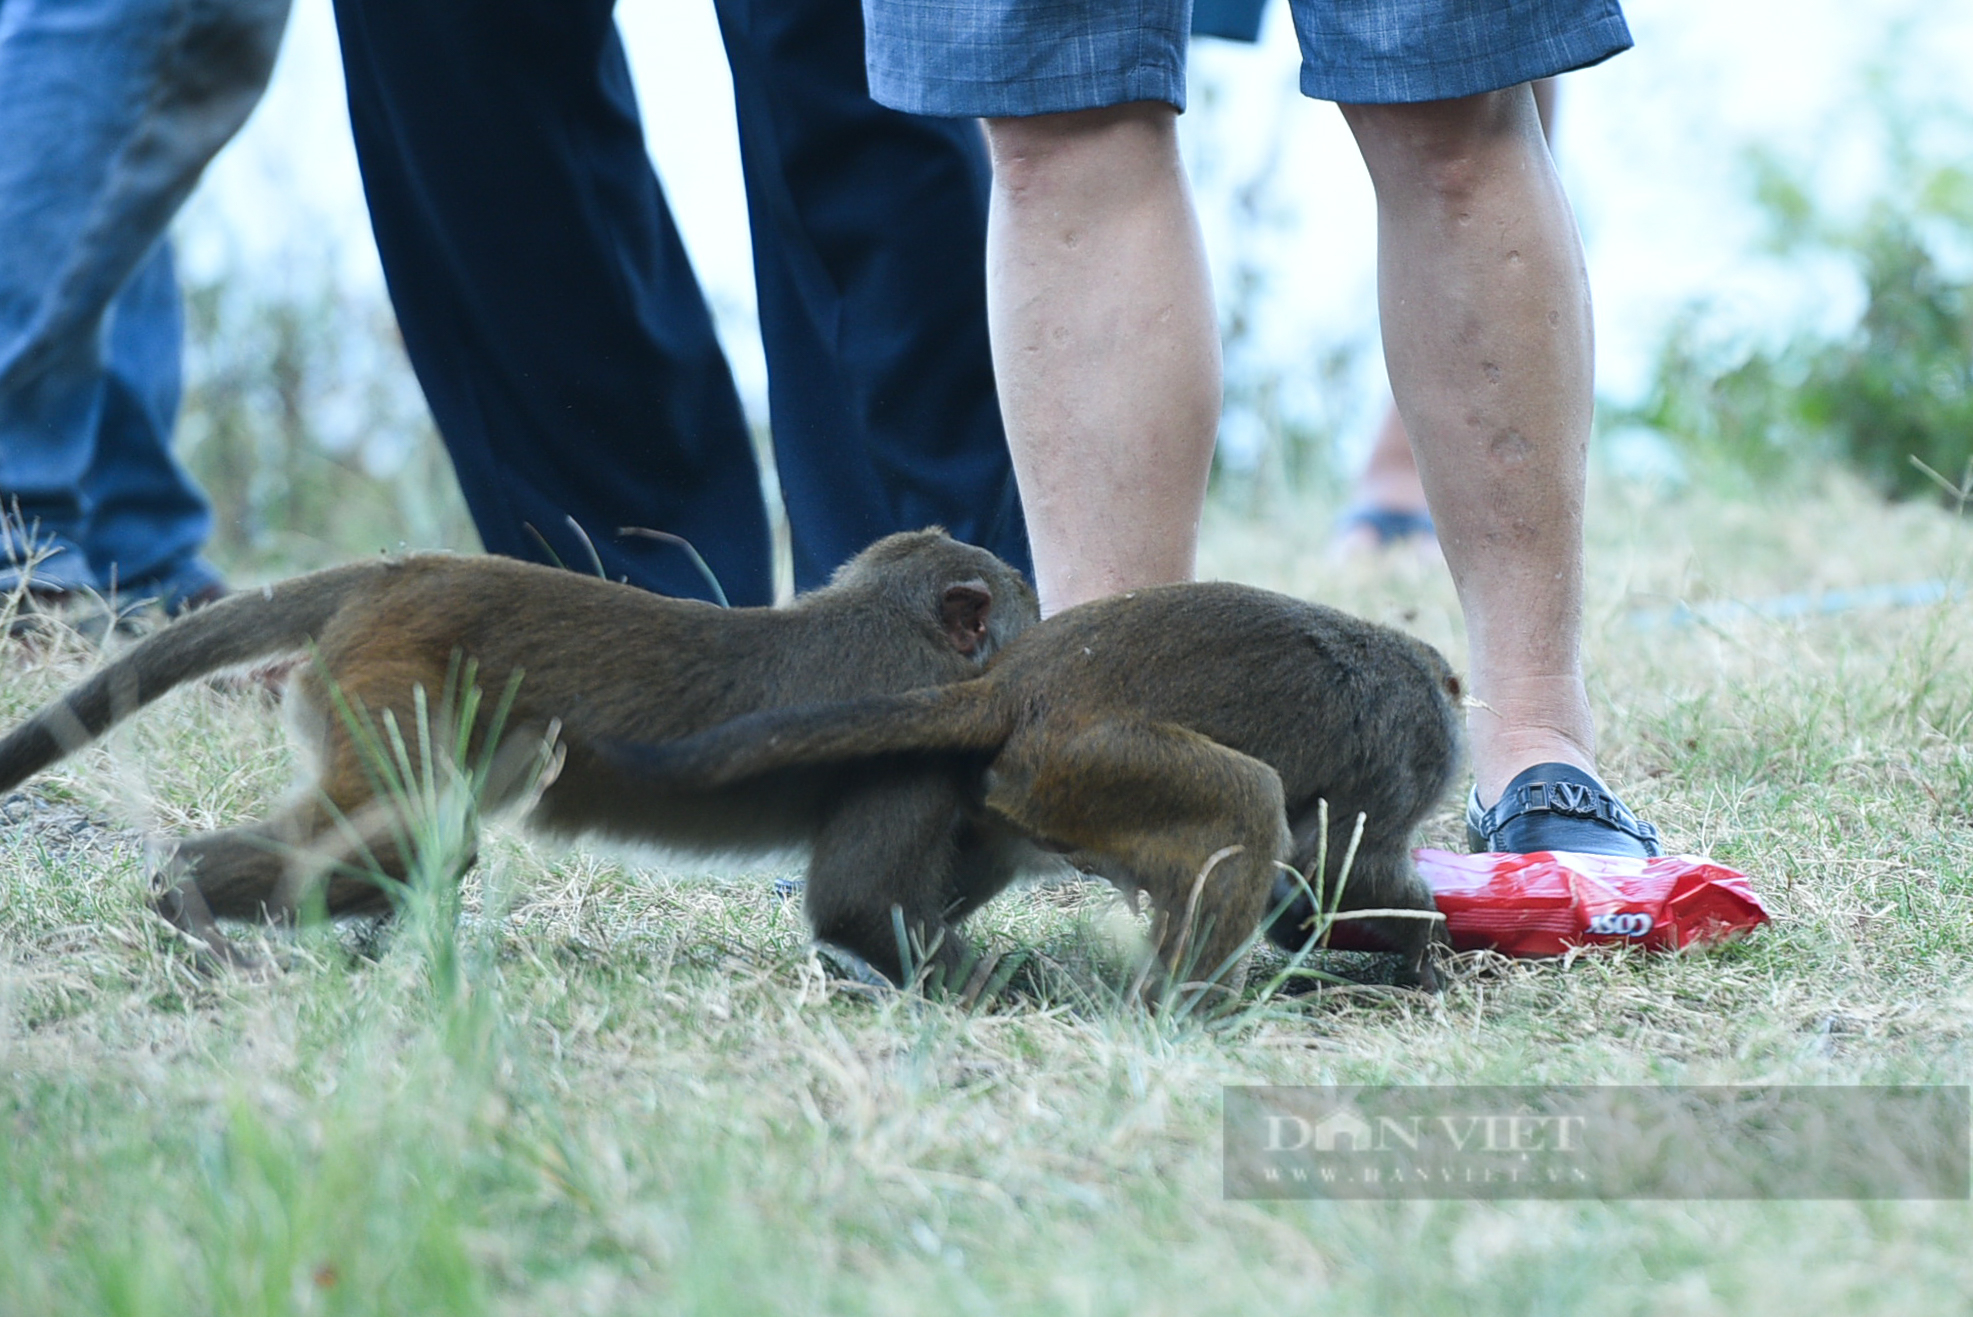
column 565, row 347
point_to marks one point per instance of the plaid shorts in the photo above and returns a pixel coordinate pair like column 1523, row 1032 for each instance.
column 1016, row 57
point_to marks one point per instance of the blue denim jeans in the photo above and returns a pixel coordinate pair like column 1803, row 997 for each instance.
column 110, row 110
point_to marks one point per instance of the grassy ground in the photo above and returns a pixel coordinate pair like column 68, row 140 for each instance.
column 619, row 1088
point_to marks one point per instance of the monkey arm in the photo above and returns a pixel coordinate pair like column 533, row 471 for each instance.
column 964, row 716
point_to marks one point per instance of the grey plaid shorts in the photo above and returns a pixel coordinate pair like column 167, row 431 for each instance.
column 1016, row 57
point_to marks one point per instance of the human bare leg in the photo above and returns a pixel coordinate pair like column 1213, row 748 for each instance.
column 1105, row 345
column 1487, row 334
column 1389, row 487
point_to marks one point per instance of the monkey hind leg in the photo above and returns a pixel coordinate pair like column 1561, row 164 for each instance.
column 237, row 873
column 272, row 871
column 370, row 834
column 882, row 875
column 181, row 906
column 1197, row 826
column 345, row 846
column 988, row 856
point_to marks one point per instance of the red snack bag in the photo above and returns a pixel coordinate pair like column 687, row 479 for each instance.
column 1543, row 904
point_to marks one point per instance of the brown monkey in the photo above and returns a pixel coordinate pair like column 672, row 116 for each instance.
column 1147, row 734
column 591, row 659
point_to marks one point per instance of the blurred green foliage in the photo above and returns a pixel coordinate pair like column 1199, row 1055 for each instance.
column 1896, row 389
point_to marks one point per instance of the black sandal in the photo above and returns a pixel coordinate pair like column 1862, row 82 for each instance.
column 1557, row 807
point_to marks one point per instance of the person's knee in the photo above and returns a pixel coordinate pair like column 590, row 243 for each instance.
column 1446, row 148
column 206, row 81
column 225, row 50
column 1036, row 152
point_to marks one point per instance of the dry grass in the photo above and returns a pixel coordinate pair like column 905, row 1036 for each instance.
column 643, row 1093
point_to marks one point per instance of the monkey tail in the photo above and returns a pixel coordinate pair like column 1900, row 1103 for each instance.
column 965, row 716
column 238, row 629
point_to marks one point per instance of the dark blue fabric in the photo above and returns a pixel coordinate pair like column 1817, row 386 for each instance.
column 1235, row 20
column 564, row 344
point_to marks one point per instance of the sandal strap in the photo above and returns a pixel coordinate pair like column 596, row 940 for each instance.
column 1573, row 800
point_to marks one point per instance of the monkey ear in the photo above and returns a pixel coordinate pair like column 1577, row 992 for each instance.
column 964, row 612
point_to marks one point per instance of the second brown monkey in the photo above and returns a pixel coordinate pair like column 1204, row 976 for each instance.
column 1156, row 737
